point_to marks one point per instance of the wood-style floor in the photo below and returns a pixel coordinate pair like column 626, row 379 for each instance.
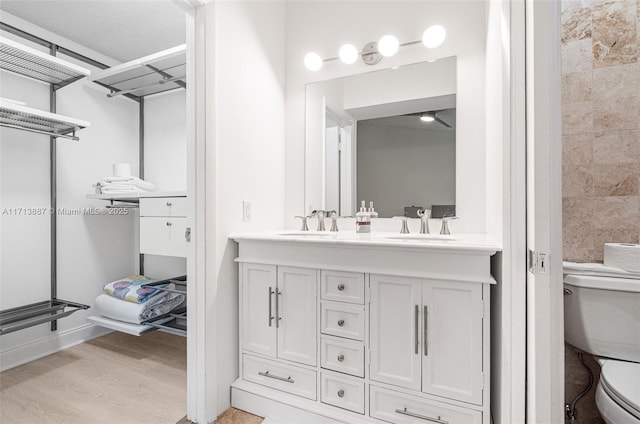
column 232, row 416
column 112, row 379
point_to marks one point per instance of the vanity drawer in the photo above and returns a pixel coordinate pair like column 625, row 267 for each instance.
column 163, row 206
column 342, row 286
column 287, row 378
column 343, row 320
column 343, row 392
column 400, row 408
column 342, row 355
column 163, row 236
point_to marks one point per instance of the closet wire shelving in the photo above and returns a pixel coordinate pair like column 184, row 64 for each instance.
column 152, row 74
column 31, row 63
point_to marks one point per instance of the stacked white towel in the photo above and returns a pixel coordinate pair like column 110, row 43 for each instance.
column 122, row 185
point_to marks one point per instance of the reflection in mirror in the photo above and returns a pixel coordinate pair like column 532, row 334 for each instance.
column 386, row 136
column 404, row 162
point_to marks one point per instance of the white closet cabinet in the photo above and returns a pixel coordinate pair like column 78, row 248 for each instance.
column 279, row 312
column 163, row 226
column 427, row 335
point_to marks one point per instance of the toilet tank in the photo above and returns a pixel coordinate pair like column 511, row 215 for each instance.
column 602, row 315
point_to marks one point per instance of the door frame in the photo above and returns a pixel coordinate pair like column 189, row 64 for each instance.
column 544, row 297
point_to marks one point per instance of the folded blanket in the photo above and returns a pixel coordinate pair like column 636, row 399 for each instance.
column 136, row 313
column 130, row 289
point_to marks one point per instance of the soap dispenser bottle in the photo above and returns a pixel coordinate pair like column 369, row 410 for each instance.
column 372, row 212
column 363, row 220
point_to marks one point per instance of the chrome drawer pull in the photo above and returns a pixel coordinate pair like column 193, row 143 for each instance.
column 416, row 331
column 278, row 317
column 275, row 377
column 340, row 393
column 341, row 322
column 422, row 417
column 169, row 204
column 340, row 286
column 426, row 333
column 271, row 292
column 168, row 224
column 340, row 358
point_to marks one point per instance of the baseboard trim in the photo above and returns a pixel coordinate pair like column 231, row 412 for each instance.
column 45, row 346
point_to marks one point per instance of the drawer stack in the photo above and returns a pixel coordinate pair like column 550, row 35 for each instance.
column 163, row 226
column 342, row 340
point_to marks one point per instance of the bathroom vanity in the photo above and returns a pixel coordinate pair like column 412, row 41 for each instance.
column 335, row 327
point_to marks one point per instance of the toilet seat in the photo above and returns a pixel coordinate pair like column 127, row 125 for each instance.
column 621, row 382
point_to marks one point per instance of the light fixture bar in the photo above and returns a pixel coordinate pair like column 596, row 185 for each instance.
column 373, row 52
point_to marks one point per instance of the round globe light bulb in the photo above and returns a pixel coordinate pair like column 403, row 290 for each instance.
column 313, row 61
column 348, row 54
column 434, row 36
column 388, row 45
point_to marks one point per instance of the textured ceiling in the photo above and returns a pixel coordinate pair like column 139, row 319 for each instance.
column 121, row 29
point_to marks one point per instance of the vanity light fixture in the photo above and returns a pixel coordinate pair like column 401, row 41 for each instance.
column 373, row 52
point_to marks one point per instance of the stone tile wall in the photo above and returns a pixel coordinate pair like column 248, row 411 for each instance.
column 600, row 126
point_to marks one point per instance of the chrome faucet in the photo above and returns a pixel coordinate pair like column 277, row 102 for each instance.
column 334, row 220
column 424, row 215
column 445, row 224
column 405, row 228
column 320, row 214
column 304, row 226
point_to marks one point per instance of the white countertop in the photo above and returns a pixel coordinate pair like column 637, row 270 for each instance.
column 454, row 242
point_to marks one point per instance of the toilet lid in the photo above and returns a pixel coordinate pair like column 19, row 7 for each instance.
column 621, row 381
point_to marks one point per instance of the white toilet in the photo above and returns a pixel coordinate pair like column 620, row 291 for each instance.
column 602, row 317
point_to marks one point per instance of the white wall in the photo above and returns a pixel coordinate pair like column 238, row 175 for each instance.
column 401, row 166
column 362, row 22
column 245, row 154
column 165, row 146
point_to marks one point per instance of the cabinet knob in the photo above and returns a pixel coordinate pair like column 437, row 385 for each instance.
column 340, row 358
column 168, row 224
column 340, row 393
column 340, row 286
column 169, row 204
column 341, row 322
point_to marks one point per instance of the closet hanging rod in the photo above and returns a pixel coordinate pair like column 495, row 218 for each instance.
column 52, row 134
column 160, row 82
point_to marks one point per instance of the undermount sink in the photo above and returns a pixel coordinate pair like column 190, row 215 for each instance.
column 307, row 234
column 422, row 237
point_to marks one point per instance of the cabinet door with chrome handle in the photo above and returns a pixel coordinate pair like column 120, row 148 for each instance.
column 452, row 366
column 258, row 286
column 296, row 314
column 396, row 330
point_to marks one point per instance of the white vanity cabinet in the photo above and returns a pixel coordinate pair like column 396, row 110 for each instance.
column 279, row 312
column 348, row 330
column 427, row 335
